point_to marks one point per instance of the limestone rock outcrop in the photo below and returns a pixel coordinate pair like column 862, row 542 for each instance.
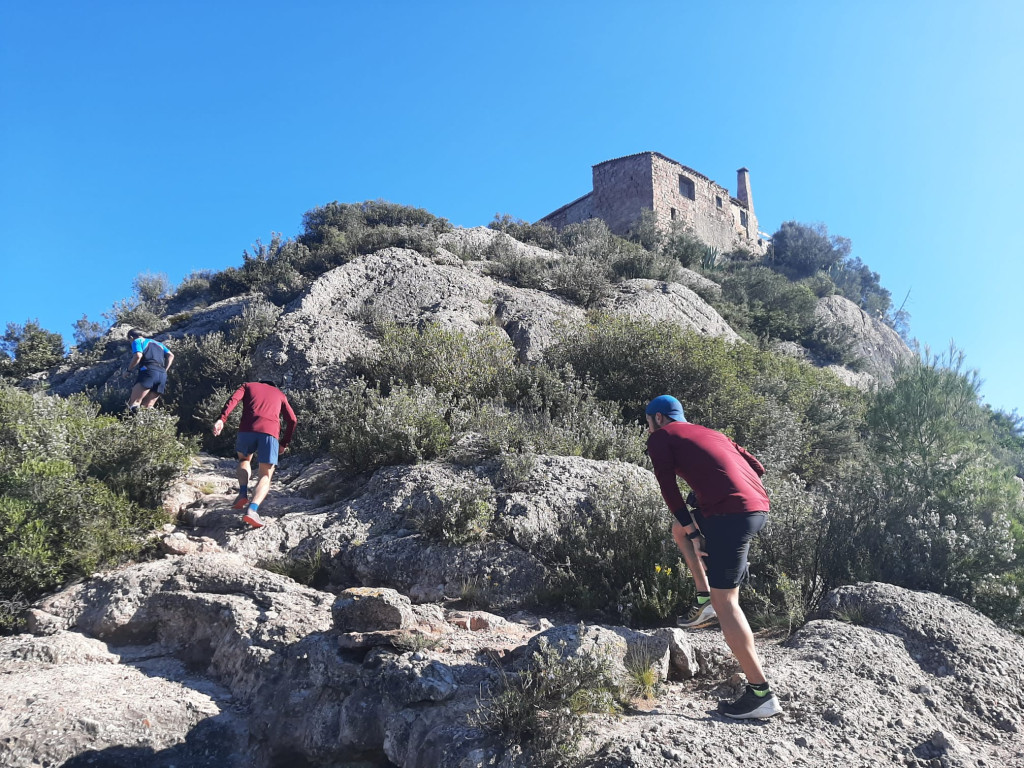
column 877, row 347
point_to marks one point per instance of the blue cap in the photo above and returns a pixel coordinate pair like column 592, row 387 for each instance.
column 667, row 406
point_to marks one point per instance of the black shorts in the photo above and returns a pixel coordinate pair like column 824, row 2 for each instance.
column 728, row 542
column 153, row 379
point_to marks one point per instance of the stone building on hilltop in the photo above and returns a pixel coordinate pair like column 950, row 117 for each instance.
column 625, row 186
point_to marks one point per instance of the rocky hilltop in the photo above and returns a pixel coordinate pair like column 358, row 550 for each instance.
column 320, row 331
column 341, row 635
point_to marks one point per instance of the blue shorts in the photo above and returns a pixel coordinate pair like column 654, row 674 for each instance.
column 263, row 445
column 727, row 539
column 153, row 379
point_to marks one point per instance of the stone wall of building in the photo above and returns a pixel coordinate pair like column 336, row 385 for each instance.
column 717, row 218
column 622, row 189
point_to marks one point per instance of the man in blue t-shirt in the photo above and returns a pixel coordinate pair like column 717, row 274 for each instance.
column 153, row 360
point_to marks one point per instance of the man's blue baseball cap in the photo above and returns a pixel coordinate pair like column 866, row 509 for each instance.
column 667, row 406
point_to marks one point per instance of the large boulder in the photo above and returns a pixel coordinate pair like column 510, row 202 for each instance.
column 72, row 701
column 878, row 348
column 322, row 331
column 669, row 303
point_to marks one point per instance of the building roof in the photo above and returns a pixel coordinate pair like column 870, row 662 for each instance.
column 663, row 157
column 567, row 205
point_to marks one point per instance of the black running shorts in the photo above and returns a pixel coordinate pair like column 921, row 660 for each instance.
column 153, row 379
column 727, row 539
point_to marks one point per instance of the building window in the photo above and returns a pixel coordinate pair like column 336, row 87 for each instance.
column 718, row 201
column 673, row 210
column 686, row 187
column 743, row 218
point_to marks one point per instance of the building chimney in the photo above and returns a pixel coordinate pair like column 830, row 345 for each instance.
column 743, row 188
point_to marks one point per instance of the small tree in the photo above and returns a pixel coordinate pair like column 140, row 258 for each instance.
column 30, row 348
column 87, row 332
column 799, row 250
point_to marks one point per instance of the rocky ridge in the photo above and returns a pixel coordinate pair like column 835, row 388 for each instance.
column 203, row 658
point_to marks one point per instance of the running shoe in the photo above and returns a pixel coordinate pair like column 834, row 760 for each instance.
column 253, row 519
column 751, row 706
column 698, row 616
column 241, row 502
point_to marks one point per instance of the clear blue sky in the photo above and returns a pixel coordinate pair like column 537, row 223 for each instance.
column 167, row 137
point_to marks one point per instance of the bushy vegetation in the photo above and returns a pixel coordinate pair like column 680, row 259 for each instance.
column 609, row 554
column 29, row 348
column 541, row 707
column 457, row 515
column 425, row 388
column 78, row 491
column 589, row 259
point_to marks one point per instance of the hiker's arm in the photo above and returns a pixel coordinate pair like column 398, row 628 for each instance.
column 229, row 406
column 289, row 424
column 170, row 359
column 136, row 359
column 665, row 471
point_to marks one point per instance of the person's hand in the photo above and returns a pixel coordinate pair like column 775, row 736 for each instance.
column 699, row 547
column 218, row 426
column 282, row 449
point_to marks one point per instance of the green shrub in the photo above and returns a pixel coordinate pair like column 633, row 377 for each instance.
column 541, row 707
column 370, row 430
column 138, row 457
column 202, row 365
column 79, row 490
column 776, row 307
column 581, row 279
column 227, row 283
column 307, row 567
column 136, row 314
column 793, row 416
column 542, row 235
column 682, row 245
column 272, row 269
column 256, row 322
column 29, row 348
column 799, row 250
column 195, row 285
column 457, row 515
column 506, row 261
column 647, row 265
column 654, row 599
column 646, row 232
column 478, row 365
column 150, row 288
column 614, row 542
column 336, row 232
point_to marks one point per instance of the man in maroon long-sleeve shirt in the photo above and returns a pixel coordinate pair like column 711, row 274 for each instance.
column 263, row 406
column 730, row 508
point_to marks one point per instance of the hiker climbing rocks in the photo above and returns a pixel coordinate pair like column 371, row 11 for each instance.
column 263, row 406
column 714, row 536
column 153, row 360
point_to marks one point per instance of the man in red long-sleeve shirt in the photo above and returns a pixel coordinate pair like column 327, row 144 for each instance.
column 263, row 405
column 731, row 507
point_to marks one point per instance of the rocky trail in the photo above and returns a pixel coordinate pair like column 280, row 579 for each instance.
column 202, row 658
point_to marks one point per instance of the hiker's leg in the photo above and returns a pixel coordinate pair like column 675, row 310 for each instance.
column 150, row 399
column 244, row 473
column 700, row 579
column 139, row 391
column 737, row 632
column 263, row 485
